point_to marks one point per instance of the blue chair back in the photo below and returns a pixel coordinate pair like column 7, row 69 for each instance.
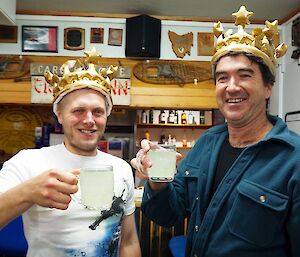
column 177, row 246
column 12, row 239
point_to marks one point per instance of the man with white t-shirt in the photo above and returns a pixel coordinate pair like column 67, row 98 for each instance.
column 39, row 183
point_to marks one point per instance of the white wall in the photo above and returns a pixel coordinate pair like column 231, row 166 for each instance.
column 291, row 76
column 179, row 27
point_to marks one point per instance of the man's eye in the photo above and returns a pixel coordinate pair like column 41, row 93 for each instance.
column 245, row 75
column 99, row 113
column 221, row 79
column 78, row 111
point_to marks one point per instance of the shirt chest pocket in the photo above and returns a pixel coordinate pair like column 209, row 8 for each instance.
column 257, row 213
column 191, row 177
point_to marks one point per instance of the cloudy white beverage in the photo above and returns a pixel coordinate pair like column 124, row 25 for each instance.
column 163, row 163
column 97, row 187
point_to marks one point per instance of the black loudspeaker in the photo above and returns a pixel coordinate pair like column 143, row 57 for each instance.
column 143, row 34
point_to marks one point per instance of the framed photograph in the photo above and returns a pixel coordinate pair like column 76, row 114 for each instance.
column 115, row 37
column 205, row 44
column 39, row 38
column 74, row 38
column 8, row 34
column 97, row 35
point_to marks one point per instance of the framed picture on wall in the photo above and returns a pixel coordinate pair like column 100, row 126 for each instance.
column 74, row 38
column 115, row 37
column 205, row 44
column 97, row 35
column 8, row 34
column 39, row 38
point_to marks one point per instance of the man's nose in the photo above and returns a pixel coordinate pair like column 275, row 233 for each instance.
column 233, row 84
column 89, row 119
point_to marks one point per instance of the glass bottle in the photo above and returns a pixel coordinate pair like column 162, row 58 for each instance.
column 144, row 117
column 201, row 117
column 183, row 117
column 151, row 116
column 171, row 117
column 176, row 117
column 162, row 117
column 190, row 118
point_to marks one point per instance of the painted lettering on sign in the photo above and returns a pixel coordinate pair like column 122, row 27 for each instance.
column 121, row 91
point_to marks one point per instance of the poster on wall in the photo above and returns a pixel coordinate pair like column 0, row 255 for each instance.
column 39, row 39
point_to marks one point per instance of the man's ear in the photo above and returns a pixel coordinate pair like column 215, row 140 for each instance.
column 59, row 115
column 269, row 90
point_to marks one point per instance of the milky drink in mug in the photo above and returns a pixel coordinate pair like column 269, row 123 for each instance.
column 97, row 186
column 163, row 163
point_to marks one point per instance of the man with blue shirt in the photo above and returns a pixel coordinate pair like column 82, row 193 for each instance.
column 240, row 183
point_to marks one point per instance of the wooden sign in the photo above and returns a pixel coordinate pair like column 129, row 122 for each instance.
column 41, row 91
column 121, row 91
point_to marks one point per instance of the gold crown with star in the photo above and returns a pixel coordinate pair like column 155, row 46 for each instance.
column 82, row 73
column 260, row 43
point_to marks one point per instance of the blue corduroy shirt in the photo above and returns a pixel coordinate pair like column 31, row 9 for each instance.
column 255, row 211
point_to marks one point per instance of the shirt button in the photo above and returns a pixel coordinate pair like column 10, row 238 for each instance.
column 197, row 198
column 187, row 173
column 196, row 228
column 262, row 198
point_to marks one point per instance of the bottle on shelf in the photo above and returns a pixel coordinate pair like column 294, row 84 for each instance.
column 201, row 117
column 176, row 117
column 144, row 117
column 190, row 118
column 171, row 117
column 162, row 139
column 151, row 116
column 183, row 117
column 170, row 139
column 162, row 117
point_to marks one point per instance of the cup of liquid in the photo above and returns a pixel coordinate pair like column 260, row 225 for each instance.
column 96, row 187
column 163, row 158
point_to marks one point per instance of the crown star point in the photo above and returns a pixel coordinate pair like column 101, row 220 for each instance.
column 271, row 29
column 259, row 43
column 242, row 16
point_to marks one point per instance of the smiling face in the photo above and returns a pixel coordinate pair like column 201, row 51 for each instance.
column 83, row 116
column 241, row 92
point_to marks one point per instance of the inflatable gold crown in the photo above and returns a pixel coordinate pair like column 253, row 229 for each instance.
column 260, row 43
column 82, row 73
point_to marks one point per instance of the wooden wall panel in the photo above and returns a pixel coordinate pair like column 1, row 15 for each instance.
column 143, row 95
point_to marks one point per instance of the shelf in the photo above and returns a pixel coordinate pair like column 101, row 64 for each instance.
column 204, row 126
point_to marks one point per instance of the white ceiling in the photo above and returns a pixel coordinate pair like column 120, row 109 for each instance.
column 195, row 9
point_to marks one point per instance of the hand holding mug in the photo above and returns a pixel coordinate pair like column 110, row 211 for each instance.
column 156, row 162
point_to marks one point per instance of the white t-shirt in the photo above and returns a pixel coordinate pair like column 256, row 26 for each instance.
column 60, row 233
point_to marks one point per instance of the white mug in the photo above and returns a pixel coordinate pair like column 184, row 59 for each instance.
column 163, row 159
column 96, row 187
